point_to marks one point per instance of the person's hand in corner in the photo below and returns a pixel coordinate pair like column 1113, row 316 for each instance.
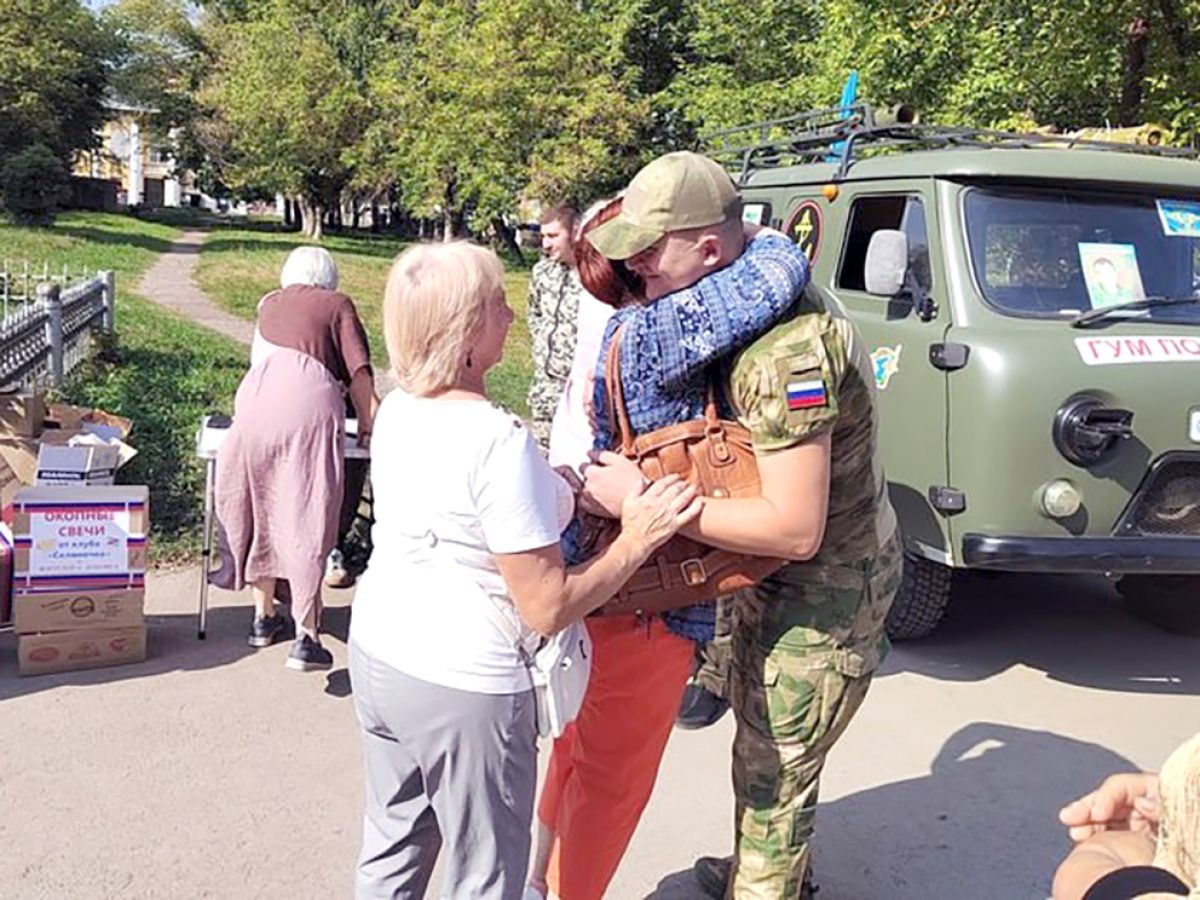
column 1127, row 802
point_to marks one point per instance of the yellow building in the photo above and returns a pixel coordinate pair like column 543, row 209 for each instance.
column 132, row 166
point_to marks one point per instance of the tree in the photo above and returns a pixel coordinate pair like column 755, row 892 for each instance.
column 284, row 107
column 481, row 101
column 52, row 76
column 1068, row 63
column 158, row 57
column 33, row 182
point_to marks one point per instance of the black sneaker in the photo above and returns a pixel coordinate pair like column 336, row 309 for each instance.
column 308, row 655
column 700, row 708
column 265, row 629
column 712, row 873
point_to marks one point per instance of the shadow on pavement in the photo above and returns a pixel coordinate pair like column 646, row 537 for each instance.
column 172, row 646
column 1072, row 628
column 982, row 824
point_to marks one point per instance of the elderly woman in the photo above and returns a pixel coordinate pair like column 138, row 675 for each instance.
column 468, row 520
column 280, row 470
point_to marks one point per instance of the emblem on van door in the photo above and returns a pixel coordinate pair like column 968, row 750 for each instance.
column 886, row 363
column 1194, row 425
column 804, row 227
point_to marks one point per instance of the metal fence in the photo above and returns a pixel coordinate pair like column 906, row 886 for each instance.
column 41, row 341
column 19, row 279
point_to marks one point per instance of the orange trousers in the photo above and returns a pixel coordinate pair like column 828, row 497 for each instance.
column 603, row 768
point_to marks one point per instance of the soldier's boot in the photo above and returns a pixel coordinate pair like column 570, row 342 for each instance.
column 713, row 873
column 700, row 708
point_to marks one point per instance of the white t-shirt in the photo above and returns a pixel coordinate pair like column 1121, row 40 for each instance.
column 571, row 435
column 454, row 482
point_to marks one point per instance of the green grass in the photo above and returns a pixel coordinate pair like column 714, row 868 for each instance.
column 238, row 264
column 160, row 371
column 96, row 241
column 163, row 373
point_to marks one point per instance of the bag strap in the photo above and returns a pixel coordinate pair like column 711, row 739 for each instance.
column 500, row 618
column 618, row 413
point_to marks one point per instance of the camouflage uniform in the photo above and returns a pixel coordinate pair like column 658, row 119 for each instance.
column 554, row 290
column 805, row 643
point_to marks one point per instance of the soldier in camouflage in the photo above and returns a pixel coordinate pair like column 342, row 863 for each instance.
column 801, row 647
column 553, row 307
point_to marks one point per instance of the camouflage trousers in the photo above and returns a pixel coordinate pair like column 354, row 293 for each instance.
column 543, row 401
column 794, row 681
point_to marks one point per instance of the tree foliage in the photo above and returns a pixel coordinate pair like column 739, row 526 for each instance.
column 481, row 102
column 157, row 57
column 33, row 182
column 52, row 76
column 459, row 109
column 285, row 107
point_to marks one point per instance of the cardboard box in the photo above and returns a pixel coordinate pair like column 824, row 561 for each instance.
column 6, row 573
column 65, row 417
column 80, row 464
column 21, row 413
column 73, row 537
column 133, row 499
column 19, row 456
column 18, row 466
column 66, row 651
column 82, row 608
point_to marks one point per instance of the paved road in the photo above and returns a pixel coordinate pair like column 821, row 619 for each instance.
column 210, row 771
column 169, row 283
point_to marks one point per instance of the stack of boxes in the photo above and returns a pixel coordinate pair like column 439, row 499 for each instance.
column 79, row 577
column 73, row 546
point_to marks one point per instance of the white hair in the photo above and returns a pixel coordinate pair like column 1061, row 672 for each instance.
column 309, row 265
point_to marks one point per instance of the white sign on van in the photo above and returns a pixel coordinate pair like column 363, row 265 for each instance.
column 1194, row 426
column 1116, row 351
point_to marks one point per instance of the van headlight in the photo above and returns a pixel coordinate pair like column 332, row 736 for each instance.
column 1059, row 499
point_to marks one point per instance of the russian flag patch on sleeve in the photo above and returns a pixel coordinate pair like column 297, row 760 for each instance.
column 806, row 395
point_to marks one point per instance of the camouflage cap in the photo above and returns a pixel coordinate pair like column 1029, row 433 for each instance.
column 676, row 191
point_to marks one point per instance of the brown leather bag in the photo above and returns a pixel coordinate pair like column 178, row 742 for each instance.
column 715, row 455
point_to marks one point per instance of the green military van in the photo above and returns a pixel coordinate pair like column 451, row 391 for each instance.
column 1031, row 305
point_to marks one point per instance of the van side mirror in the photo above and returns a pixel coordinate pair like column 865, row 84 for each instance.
column 887, row 263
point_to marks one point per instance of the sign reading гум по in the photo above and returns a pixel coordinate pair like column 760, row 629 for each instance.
column 1110, row 351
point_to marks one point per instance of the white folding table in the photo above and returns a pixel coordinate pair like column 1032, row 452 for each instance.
column 208, row 442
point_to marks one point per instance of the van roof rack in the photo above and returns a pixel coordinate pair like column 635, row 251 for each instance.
column 835, row 134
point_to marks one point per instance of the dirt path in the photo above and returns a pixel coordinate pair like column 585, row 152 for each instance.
column 169, row 283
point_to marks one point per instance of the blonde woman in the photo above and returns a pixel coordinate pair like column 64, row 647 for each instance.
column 468, row 519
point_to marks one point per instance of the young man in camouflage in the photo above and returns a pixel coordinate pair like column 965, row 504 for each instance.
column 553, row 307
column 805, row 643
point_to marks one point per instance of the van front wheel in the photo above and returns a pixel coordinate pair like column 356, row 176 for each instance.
column 1172, row 602
column 921, row 600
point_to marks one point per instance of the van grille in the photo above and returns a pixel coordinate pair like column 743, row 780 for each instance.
column 1168, row 502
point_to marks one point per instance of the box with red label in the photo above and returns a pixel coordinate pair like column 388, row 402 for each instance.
column 66, row 651
column 58, row 609
column 70, row 538
column 6, row 574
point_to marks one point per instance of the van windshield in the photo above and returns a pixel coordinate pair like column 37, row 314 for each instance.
column 1052, row 253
